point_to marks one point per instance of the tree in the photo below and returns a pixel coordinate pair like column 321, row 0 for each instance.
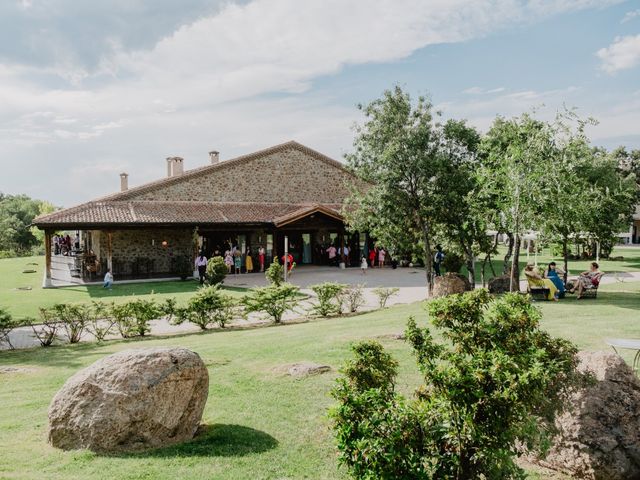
column 458, row 218
column 498, row 380
column 516, row 154
column 16, row 215
column 398, row 151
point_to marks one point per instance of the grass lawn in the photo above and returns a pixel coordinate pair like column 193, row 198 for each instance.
column 631, row 262
column 23, row 303
column 259, row 424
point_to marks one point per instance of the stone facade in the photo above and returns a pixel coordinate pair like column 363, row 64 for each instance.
column 137, row 251
column 288, row 176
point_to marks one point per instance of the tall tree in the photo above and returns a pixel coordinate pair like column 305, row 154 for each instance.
column 516, row 152
column 461, row 222
column 399, row 150
column 16, row 214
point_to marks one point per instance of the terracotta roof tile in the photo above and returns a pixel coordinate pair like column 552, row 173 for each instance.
column 103, row 213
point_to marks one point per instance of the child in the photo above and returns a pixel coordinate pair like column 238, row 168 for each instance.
column 249, row 261
column 108, row 279
column 364, row 265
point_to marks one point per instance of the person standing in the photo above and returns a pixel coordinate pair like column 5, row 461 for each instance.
column 56, row 245
column 261, row 256
column 372, row 257
column 108, row 279
column 237, row 261
column 332, row 254
column 346, row 252
column 381, row 255
column 249, row 261
column 438, row 258
column 228, row 260
column 288, row 260
column 201, row 266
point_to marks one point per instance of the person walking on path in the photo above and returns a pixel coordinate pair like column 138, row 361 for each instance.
column 108, row 279
column 364, row 265
column 201, row 265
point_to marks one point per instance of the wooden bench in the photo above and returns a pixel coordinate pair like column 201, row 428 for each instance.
column 539, row 293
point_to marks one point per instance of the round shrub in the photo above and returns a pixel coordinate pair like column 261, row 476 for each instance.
column 216, row 271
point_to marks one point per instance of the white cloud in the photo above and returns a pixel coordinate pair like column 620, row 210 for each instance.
column 480, row 91
column 200, row 86
column 630, row 16
column 622, row 54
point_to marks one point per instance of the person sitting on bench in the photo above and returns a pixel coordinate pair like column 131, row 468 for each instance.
column 553, row 273
column 586, row 280
column 537, row 281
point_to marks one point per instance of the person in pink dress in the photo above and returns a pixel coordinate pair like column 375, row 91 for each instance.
column 381, row 255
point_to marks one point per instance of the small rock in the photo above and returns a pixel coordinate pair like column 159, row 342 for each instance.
column 131, row 400
column 304, row 369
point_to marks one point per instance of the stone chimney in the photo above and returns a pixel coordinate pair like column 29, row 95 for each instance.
column 214, row 156
column 124, row 182
column 175, row 166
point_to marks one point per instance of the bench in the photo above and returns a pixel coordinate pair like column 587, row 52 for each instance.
column 592, row 290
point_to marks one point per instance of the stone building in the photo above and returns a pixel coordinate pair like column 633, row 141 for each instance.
column 246, row 202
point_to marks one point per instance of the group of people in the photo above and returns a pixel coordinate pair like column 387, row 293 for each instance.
column 551, row 279
column 63, row 245
column 233, row 260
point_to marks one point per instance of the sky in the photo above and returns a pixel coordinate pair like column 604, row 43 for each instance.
column 92, row 89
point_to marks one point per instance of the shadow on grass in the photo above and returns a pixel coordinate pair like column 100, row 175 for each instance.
column 217, row 440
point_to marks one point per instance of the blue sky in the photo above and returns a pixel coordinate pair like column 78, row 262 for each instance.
column 91, row 89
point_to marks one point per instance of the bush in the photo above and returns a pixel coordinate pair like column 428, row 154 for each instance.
column 208, row 306
column 216, row 271
column 47, row 330
column 73, row 318
column 274, row 300
column 384, row 294
column 132, row 318
column 275, row 274
column 486, row 390
column 7, row 323
column 452, row 262
column 183, row 267
column 329, row 298
column 101, row 322
column 353, row 297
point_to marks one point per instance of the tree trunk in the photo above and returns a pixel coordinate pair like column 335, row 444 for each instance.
column 471, row 267
column 515, row 267
column 565, row 256
column 507, row 257
column 428, row 263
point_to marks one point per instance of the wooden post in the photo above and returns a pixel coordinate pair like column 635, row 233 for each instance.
column 110, row 251
column 46, row 283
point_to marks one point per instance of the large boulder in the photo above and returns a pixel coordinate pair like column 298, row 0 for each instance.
column 599, row 437
column 131, row 400
column 450, row 283
column 501, row 284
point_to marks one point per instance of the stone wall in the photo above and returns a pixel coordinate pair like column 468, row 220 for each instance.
column 288, row 176
column 140, row 252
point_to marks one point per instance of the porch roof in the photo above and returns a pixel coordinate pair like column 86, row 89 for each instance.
column 147, row 213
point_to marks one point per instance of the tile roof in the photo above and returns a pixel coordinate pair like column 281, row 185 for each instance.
column 114, row 213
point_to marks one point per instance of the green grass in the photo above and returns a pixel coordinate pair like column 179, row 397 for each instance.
column 259, row 424
column 25, row 303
